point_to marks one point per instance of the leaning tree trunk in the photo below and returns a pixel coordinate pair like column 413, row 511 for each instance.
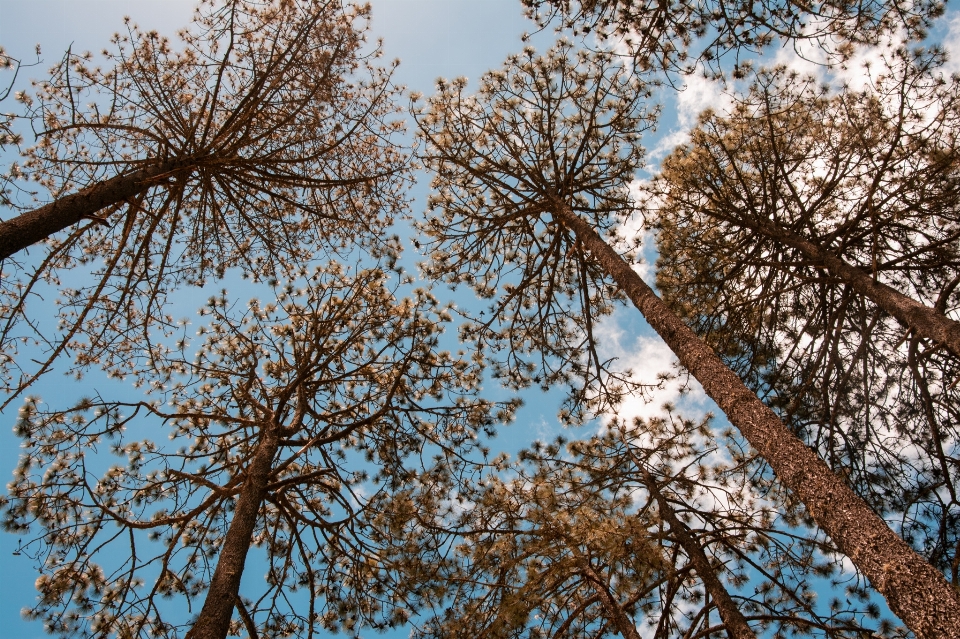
column 915, row 591
column 733, row 619
column 214, row 619
column 37, row 225
column 615, row 613
column 926, row 321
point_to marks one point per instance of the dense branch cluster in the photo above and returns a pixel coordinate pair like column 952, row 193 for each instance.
column 584, row 536
column 10, row 68
column 687, row 36
column 500, row 158
column 328, row 376
column 263, row 138
column 868, row 175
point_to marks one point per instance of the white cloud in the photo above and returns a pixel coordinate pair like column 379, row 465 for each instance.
column 647, row 356
column 951, row 43
column 697, row 95
column 633, row 228
column 867, row 61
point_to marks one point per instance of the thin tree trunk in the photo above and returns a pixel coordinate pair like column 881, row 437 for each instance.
column 623, row 623
column 915, row 591
column 37, row 225
column 214, row 619
column 733, row 619
column 925, row 320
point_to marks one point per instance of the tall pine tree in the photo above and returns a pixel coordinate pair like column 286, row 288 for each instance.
column 287, row 426
column 792, row 232
column 528, row 174
column 264, row 137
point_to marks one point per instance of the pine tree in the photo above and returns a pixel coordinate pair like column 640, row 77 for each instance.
column 263, row 138
column 536, row 557
column 648, row 525
column 793, row 232
column 528, row 174
column 292, row 421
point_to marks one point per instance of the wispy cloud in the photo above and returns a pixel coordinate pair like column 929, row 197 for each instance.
column 649, row 359
column 951, row 42
column 697, row 95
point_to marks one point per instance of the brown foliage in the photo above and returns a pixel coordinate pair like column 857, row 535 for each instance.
column 287, row 428
column 272, row 127
column 870, row 178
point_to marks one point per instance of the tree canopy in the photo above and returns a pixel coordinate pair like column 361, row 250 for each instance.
column 264, row 138
column 538, row 171
column 689, row 36
column 867, row 176
column 293, row 420
column 334, row 438
column 566, row 124
column 650, row 524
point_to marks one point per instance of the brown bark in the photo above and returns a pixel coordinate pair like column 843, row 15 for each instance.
column 925, row 320
column 214, row 619
column 915, row 591
column 623, row 623
column 35, row 226
column 733, row 619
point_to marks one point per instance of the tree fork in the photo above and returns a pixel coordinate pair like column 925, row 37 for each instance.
column 214, row 619
column 915, row 591
column 733, row 619
column 37, row 225
column 623, row 623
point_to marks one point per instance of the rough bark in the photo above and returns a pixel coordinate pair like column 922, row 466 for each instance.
column 214, row 619
column 35, row 226
column 925, row 320
column 733, row 619
column 915, row 591
column 623, row 623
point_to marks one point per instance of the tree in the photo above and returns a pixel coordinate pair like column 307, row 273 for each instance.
column 545, row 144
column 536, row 559
column 554, row 294
column 603, row 535
column 687, row 36
column 787, row 232
column 890, row 177
column 709, row 509
column 293, row 420
column 263, row 139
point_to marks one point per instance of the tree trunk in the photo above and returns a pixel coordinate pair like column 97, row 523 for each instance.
column 214, row 619
column 35, row 226
column 926, row 321
column 733, row 619
column 915, row 591
column 624, row 625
